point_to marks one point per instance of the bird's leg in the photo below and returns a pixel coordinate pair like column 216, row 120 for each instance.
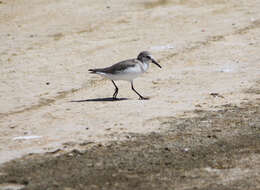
column 140, row 96
column 116, row 90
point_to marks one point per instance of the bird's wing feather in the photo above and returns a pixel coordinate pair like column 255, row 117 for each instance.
column 116, row 67
column 123, row 65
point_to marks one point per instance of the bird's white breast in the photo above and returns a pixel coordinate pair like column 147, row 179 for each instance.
column 145, row 66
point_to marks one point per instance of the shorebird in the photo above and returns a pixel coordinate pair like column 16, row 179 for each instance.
column 127, row 70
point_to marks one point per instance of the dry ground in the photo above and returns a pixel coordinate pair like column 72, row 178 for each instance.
column 208, row 49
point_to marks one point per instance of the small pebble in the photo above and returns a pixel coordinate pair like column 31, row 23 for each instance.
column 216, row 95
column 128, row 136
column 253, row 19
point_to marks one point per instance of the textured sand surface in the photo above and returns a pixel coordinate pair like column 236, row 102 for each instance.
column 47, row 47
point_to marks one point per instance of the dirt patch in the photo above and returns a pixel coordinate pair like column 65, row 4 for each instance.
column 193, row 153
column 153, row 4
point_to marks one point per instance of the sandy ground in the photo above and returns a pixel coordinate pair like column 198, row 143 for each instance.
column 47, row 47
column 214, row 150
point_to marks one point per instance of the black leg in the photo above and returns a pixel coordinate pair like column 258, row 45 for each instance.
column 116, row 90
column 140, row 96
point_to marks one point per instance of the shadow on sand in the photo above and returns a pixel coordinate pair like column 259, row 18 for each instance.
column 100, row 100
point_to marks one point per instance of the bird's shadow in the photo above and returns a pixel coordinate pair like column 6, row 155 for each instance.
column 100, row 100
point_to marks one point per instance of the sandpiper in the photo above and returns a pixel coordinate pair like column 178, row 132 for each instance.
column 127, row 70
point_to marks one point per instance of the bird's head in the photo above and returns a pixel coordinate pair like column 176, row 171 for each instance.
column 146, row 57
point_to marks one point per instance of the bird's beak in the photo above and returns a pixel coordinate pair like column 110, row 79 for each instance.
column 155, row 62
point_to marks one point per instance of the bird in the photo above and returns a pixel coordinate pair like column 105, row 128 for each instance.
column 127, row 70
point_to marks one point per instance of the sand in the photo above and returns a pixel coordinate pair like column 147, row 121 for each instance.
column 208, row 50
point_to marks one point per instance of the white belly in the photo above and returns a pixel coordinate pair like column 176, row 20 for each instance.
column 128, row 74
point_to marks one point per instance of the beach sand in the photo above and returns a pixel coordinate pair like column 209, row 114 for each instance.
column 51, row 105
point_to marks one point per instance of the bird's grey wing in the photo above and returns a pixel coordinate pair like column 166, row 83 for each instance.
column 120, row 66
column 123, row 65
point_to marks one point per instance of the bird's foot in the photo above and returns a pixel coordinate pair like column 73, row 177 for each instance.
column 143, row 98
column 115, row 98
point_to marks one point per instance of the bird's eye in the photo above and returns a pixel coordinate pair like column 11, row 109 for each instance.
column 148, row 57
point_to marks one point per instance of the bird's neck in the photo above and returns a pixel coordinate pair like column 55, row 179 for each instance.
column 145, row 66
